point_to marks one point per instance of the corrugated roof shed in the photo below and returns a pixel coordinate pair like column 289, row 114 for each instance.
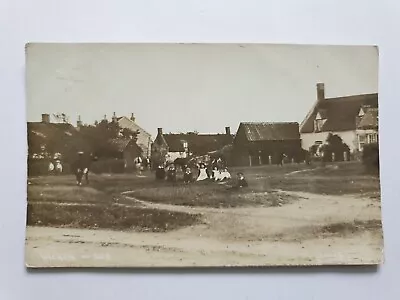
column 265, row 131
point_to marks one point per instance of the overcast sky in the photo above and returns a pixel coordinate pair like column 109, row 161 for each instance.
column 186, row 87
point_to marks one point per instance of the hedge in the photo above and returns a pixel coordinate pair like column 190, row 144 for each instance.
column 370, row 157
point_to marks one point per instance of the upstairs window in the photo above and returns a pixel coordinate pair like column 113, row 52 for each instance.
column 319, row 122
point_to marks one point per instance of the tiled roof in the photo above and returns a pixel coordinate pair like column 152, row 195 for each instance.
column 340, row 113
column 264, row 131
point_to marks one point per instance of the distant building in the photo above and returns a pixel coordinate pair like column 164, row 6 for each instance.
column 259, row 143
column 143, row 139
column 45, row 139
column 353, row 118
column 171, row 146
column 125, row 149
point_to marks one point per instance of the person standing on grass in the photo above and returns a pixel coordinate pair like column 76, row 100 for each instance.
column 241, row 181
column 171, row 173
column 160, row 172
column 138, row 164
column 188, row 175
column 202, row 172
column 81, row 168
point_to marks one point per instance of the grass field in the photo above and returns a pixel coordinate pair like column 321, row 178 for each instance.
column 57, row 202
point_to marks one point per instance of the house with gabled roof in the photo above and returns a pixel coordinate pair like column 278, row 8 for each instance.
column 144, row 140
column 259, row 143
column 367, row 127
column 170, row 146
column 125, row 149
column 341, row 116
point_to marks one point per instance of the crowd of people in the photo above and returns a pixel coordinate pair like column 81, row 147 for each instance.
column 214, row 170
column 190, row 171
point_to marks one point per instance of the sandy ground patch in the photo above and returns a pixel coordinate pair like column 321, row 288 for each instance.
column 230, row 237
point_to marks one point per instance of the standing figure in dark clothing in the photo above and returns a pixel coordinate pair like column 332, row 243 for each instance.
column 241, row 181
column 279, row 160
column 160, row 172
column 81, row 168
column 188, row 175
column 171, row 173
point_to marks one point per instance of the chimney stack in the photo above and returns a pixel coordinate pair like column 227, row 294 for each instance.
column 46, row 118
column 114, row 118
column 79, row 122
column 159, row 130
column 320, row 91
column 133, row 117
column 227, row 130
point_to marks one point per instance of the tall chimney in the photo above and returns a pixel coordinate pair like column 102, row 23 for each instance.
column 114, row 118
column 45, row 118
column 79, row 122
column 320, row 92
column 227, row 130
column 133, row 117
column 159, row 130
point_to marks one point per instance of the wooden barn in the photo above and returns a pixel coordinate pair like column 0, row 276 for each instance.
column 259, row 143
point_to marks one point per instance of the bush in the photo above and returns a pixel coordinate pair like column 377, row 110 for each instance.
column 40, row 167
column 370, row 157
column 37, row 167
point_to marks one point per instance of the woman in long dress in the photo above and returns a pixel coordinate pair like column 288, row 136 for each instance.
column 202, row 173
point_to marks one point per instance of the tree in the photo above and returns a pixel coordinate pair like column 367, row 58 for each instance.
column 129, row 134
column 370, row 157
column 334, row 145
column 100, row 134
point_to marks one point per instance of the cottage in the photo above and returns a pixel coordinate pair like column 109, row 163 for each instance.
column 259, row 143
column 143, row 138
column 172, row 146
column 45, row 139
column 353, row 118
column 127, row 150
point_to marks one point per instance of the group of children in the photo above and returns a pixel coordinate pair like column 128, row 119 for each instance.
column 204, row 173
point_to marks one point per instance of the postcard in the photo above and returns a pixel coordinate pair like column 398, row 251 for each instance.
column 202, row 155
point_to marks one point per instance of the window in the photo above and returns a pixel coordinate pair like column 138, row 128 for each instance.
column 318, row 142
column 318, row 125
column 372, row 138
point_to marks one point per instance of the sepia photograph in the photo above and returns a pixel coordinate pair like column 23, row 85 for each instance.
column 202, row 155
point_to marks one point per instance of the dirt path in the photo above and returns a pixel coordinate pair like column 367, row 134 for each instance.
column 230, row 237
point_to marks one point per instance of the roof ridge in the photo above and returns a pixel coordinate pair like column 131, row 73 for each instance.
column 270, row 123
column 352, row 97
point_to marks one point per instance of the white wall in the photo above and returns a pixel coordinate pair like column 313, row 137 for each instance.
column 171, row 156
column 348, row 137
